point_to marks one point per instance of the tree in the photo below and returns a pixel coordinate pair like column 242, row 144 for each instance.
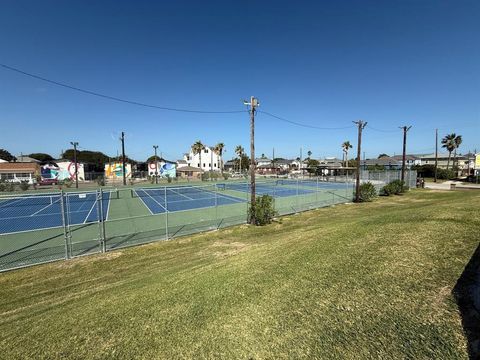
column 382, row 155
column 5, row 155
column 41, row 157
column 309, row 153
column 197, row 148
column 458, row 142
column 218, row 149
column 448, row 142
column 95, row 159
column 239, row 150
column 345, row 147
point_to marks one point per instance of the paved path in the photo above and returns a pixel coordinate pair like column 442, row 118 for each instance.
column 447, row 185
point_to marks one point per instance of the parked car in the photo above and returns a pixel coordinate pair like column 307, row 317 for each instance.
column 48, row 182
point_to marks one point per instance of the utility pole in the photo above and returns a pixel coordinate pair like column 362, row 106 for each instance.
column 155, row 147
column 123, row 159
column 404, row 154
column 254, row 103
column 273, row 161
column 436, row 154
column 301, row 160
column 361, row 126
column 75, row 144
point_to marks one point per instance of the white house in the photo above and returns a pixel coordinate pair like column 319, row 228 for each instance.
column 210, row 160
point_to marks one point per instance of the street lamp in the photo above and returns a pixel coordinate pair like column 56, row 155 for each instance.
column 155, row 147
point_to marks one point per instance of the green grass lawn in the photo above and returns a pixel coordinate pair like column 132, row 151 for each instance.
column 351, row 281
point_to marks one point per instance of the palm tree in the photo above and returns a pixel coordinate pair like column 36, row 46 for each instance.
column 458, row 142
column 345, row 147
column 239, row 150
column 197, row 148
column 448, row 142
column 218, row 149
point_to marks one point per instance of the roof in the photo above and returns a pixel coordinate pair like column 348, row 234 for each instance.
column 407, row 157
column 262, row 159
column 189, row 168
column 384, row 160
column 440, row 156
column 26, row 159
column 15, row 166
column 181, row 161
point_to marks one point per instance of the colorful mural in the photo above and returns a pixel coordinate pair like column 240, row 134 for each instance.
column 164, row 169
column 115, row 170
column 62, row 171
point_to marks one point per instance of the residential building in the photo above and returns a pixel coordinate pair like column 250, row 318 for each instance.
column 263, row 161
column 210, row 159
column 385, row 162
column 189, row 172
column 410, row 160
column 17, row 172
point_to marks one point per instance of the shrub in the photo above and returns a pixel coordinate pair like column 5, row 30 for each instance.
column 226, row 176
column 169, row 178
column 68, row 183
column 9, row 186
column 131, row 181
column 205, row 176
column 367, row 192
column 445, row 174
column 263, row 210
column 24, row 185
column 3, row 186
column 395, row 187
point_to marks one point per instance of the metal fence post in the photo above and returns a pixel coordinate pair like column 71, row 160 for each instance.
column 64, row 223
column 166, row 214
column 216, row 207
column 103, row 238
column 296, row 197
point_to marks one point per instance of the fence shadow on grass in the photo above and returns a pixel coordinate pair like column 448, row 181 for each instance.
column 467, row 296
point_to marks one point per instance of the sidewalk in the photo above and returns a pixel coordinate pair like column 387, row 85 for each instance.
column 447, row 185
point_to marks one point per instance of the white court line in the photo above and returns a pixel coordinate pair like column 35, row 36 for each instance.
column 13, row 202
column 86, row 217
column 155, row 201
column 151, row 212
column 35, row 213
column 188, row 197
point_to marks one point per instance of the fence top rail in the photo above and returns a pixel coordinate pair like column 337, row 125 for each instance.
column 53, row 194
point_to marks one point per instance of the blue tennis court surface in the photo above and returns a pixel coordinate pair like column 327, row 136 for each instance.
column 315, row 184
column 183, row 198
column 268, row 189
column 40, row 212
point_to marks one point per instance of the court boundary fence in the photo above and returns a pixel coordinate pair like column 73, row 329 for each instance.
column 73, row 238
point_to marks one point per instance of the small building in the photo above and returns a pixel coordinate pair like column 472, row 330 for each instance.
column 410, row 160
column 18, row 172
column 162, row 168
column 263, row 161
column 230, row 165
column 385, row 162
column 189, row 172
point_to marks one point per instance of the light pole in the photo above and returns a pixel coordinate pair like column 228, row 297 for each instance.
column 155, row 147
column 75, row 144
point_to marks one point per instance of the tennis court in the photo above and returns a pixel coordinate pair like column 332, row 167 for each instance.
column 268, row 188
column 182, row 198
column 26, row 213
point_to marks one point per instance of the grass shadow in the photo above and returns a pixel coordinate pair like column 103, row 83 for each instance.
column 467, row 296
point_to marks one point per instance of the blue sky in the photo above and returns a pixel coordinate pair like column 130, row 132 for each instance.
column 323, row 63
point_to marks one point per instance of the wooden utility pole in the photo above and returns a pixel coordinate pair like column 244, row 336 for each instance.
column 75, row 144
column 361, row 126
column 404, row 154
column 436, row 154
column 254, row 103
column 123, row 159
column 155, row 147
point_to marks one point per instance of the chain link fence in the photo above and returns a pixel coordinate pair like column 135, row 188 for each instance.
column 39, row 228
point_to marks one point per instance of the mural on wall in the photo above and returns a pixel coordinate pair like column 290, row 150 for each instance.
column 164, row 169
column 115, row 170
column 62, row 171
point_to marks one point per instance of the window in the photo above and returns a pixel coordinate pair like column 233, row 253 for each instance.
column 215, row 165
column 209, row 165
column 205, row 151
column 198, row 164
column 203, row 164
column 188, row 157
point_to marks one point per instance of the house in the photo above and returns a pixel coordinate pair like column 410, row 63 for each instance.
column 385, row 162
column 230, row 165
column 17, row 172
column 189, row 172
column 410, row 160
column 26, row 159
column 210, row 159
column 181, row 163
column 263, row 161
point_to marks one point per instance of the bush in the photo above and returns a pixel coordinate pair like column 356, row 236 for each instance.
column 264, row 210
column 24, row 185
column 445, row 174
column 225, row 176
column 101, row 181
column 367, row 192
column 169, row 178
column 205, row 176
column 9, row 186
column 68, row 183
column 3, row 186
column 396, row 187
column 131, row 181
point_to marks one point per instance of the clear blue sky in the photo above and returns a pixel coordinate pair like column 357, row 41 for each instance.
column 324, row 63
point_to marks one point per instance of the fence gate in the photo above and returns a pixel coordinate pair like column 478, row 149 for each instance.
column 83, row 223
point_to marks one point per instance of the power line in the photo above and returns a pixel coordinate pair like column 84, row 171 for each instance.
column 384, row 131
column 131, row 102
column 304, row 125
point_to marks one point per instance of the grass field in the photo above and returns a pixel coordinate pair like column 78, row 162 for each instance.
column 354, row 281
